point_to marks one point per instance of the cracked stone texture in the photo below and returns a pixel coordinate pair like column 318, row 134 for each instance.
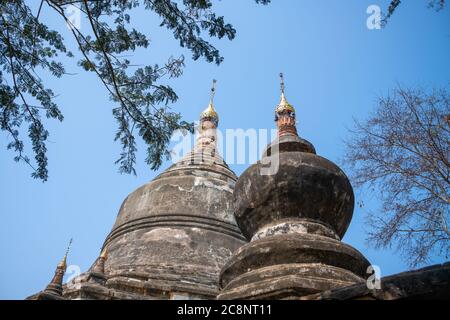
column 291, row 266
column 429, row 283
column 175, row 233
column 294, row 219
column 306, row 186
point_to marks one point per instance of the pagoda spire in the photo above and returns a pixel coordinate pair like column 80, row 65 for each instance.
column 209, row 120
column 210, row 114
column 285, row 113
column 99, row 266
column 205, row 148
column 55, row 286
column 97, row 271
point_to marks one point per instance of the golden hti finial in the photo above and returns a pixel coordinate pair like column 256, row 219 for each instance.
column 63, row 263
column 284, row 105
column 209, row 112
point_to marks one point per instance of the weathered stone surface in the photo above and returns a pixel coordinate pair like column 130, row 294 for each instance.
column 45, row 296
column 297, row 226
column 294, row 217
column 316, row 271
column 291, row 265
column 293, row 249
column 428, row 283
column 306, row 186
column 87, row 290
column 289, row 143
column 176, row 232
column 286, row 286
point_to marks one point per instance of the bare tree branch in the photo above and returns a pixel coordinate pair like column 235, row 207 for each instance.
column 402, row 150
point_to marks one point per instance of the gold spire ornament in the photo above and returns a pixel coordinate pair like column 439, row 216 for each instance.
column 284, row 105
column 285, row 114
column 63, row 263
column 209, row 112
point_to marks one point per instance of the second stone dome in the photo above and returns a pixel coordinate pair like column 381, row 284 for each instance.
column 303, row 186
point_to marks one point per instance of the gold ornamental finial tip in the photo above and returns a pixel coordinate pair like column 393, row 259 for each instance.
column 284, row 105
column 63, row 263
column 209, row 112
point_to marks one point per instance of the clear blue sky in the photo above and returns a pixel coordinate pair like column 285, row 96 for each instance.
column 335, row 69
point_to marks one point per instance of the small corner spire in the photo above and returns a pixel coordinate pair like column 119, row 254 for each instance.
column 97, row 271
column 63, row 262
column 55, row 287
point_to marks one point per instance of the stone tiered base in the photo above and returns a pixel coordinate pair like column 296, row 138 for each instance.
column 291, row 266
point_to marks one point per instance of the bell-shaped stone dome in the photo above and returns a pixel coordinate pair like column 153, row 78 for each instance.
column 173, row 235
column 304, row 187
column 294, row 206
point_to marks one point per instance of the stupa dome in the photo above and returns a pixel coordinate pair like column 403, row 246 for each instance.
column 294, row 207
column 305, row 186
column 173, row 235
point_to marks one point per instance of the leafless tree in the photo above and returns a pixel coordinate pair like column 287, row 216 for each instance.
column 401, row 152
